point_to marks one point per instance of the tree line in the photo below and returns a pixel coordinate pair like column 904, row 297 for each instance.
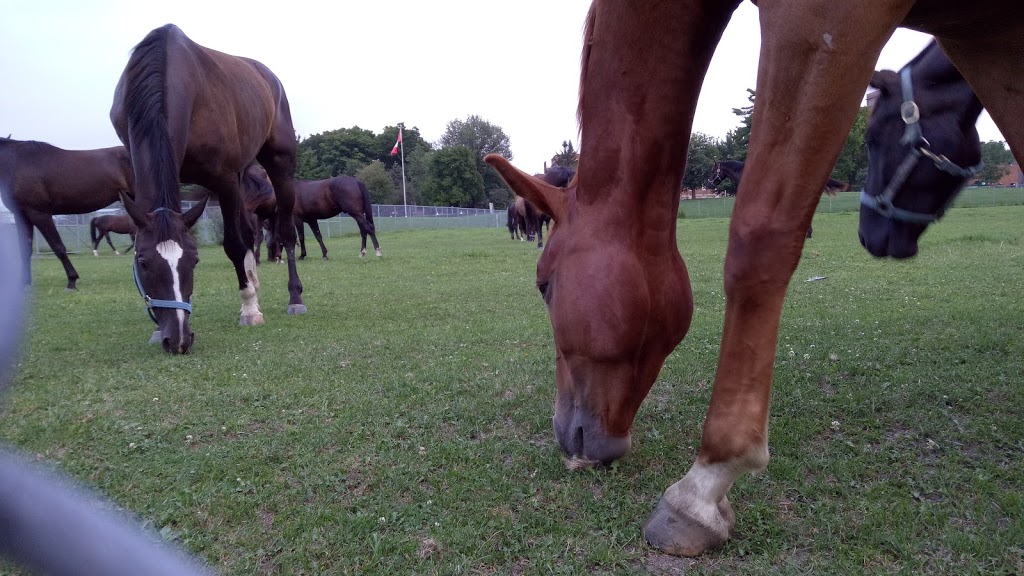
column 451, row 171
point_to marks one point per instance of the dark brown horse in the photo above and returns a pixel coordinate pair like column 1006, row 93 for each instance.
column 733, row 169
column 618, row 307
column 192, row 114
column 260, row 206
column 322, row 199
column 917, row 168
column 38, row 180
column 101, row 227
column 525, row 216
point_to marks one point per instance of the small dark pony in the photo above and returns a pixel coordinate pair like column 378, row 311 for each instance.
column 322, row 199
column 923, row 148
column 733, row 169
column 101, row 227
column 38, row 180
column 191, row 114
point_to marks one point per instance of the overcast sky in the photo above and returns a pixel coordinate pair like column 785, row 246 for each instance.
column 368, row 63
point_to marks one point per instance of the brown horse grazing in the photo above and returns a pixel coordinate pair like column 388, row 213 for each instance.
column 619, row 306
column 38, row 180
column 322, row 199
column 525, row 215
column 558, row 176
column 514, row 224
column 188, row 112
column 101, row 227
column 916, row 169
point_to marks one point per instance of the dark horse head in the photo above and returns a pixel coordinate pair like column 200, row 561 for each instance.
column 923, row 147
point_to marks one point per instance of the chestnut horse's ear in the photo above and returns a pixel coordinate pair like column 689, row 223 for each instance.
column 137, row 214
column 548, row 198
column 193, row 214
column 885, row 80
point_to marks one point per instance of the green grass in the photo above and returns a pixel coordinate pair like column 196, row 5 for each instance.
column 403, row 425
column 850, row 202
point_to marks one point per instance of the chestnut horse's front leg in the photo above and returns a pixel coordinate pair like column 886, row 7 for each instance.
column 816, row 59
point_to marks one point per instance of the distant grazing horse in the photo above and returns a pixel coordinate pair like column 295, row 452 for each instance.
column 514, row 223
column 322, row 199
column 260, row 206
column 189, row 112
column 733, row 169
column 619, row 304
column 38, row 180
column 524, row 216
column 558, row 176
column 923, row 148
column 101, row 227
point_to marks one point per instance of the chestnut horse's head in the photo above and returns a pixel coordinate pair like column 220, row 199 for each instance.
column 619, row 304
column 922, row 148
column 165, row 261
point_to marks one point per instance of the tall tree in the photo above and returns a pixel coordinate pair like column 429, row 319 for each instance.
column 741, row 136
column 997, row 158
column 454, row 179
column 342, row 151
column 411, row 141
column 378, row 182
column 852, row 164
column 481, row 138
column 568, row 157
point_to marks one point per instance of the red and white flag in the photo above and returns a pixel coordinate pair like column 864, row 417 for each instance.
column 395, row 149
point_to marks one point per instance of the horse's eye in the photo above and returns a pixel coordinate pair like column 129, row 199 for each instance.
column 143, row 264
column 543, row 287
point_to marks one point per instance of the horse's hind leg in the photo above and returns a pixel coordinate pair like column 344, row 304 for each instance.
column 44, row 222
column 24, row 228
column 300, row 233
column 111, row 242
column 238, row 241
column 315, row 227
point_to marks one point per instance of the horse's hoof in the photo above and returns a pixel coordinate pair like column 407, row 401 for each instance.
column 362, row 253
column 70, row 290
column 378, row 252
column 681, row 535
column 325, row 257
column 251, row 319
column 157, row 337
column 296, row 309
column 116, row 253
column 96, row 253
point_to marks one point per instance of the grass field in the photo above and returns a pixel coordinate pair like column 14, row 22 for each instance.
column 403, row 425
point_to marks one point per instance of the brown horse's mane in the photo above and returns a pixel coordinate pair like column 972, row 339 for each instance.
column 146, row 105
column 588, row 42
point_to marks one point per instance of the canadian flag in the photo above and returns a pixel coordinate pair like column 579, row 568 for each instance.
column 395, row 149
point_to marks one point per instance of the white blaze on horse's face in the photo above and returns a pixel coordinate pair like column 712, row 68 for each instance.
column 172, row 252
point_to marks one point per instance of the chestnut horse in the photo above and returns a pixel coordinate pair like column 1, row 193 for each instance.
column 38, row 180
column 191, row 114
column 620, row 304
column 101, row 227
column 916, row 169
column 322, row 199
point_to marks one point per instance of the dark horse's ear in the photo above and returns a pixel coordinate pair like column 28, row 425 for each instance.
column 550, row 199
column 193, row 214
column 885, row 80
column 137, row 214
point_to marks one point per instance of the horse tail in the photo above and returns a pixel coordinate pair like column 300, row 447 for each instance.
column 146, row 91
column 367, row 207
column 94, row 230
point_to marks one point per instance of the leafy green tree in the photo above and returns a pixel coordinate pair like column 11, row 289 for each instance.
column 342, row 151
column 378, row 182
column 741, row 136
column 453, row 179
column 852, row 165
column 997, row 158
column 731, row 147
column 700, row 157
column 307, row 167
column 568, row 157
column 481, row 138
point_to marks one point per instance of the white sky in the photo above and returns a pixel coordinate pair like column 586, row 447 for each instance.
column 371, row 64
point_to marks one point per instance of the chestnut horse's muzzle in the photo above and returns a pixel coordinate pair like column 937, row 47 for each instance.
column 582, row 437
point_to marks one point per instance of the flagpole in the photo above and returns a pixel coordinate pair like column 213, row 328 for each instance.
column 401, row 147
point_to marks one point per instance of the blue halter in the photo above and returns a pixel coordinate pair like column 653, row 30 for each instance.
column 919, row 147
column 153, row 302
